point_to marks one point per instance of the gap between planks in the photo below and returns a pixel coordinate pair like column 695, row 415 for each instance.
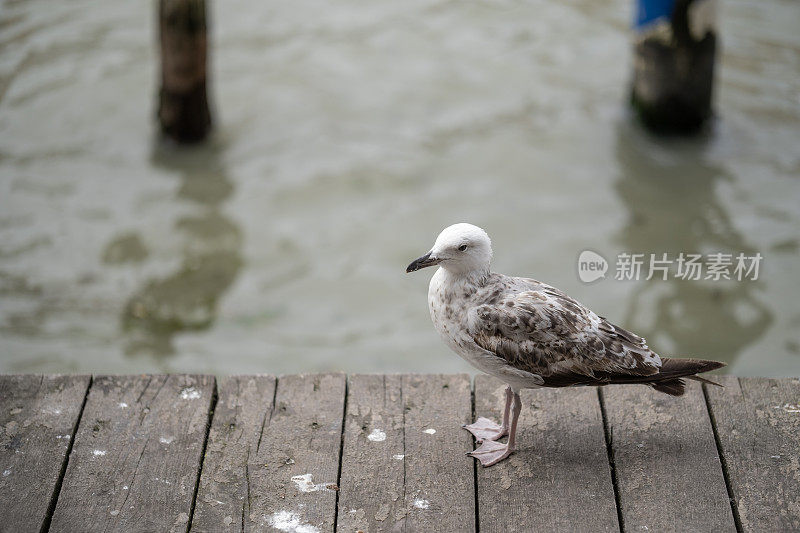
column 610, row 453
column 723, row 462
column 475, row 462
column 341, row 452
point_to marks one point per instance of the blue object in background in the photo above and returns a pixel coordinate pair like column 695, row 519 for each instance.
column 650, row 11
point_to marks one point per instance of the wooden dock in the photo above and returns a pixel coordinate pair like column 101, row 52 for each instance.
column 317, row 453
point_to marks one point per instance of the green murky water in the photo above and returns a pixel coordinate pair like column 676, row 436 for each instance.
column 348, row 134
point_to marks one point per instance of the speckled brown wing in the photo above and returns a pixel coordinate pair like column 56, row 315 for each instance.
column 543, row 331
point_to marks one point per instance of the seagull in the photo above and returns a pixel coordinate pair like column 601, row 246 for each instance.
column 531, row 335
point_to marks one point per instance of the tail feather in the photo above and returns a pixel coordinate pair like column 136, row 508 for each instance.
column 704, row 380
column 668, row 378
column 686, row 367
column 673, row 387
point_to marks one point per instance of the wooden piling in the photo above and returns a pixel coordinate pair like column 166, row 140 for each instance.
column 673, row 67
column 183, row 110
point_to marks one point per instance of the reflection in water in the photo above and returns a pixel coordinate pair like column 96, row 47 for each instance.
column 669, row 190
column 127, row 248
column 187, row 299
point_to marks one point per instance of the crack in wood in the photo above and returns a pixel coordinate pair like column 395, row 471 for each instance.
column 608, row 431
column 149, row 380
column 247, row 479
column 57, row 489
column 209, row 420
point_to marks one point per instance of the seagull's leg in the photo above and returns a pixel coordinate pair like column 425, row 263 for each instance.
column 491, row 452
column 485, row 429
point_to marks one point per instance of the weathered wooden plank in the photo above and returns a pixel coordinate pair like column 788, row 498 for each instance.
column 293, row 473
column 38, row 418
column 371, row 485
column 758, row 425
column 559, row 478
column 243, row 407
column 137, row 451
column 440, row 488
column 667, row 467
column 136, row 456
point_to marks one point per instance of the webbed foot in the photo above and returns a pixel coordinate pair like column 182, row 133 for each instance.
column 484, row 429
column 490, row 452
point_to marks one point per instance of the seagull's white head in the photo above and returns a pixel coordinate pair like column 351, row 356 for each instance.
column 460, row 249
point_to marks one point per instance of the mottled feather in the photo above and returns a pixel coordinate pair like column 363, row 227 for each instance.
column 539, row 329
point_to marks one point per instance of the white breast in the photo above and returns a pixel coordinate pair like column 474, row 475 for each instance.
column 449, row 316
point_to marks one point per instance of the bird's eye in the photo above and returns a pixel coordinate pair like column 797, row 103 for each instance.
column 462, row 248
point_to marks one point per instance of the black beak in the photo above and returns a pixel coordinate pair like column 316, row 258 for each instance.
column 422, row 262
